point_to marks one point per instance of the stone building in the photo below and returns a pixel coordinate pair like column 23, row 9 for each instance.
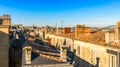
column 5, row 21
column 96, row 49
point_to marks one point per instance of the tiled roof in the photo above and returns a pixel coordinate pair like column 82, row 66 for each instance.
column 97, row 37
column 70, row 35
column 39, row 59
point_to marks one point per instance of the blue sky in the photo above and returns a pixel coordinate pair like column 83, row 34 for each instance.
column 71, row 12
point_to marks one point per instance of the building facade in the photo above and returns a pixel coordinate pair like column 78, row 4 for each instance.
column 5, row 21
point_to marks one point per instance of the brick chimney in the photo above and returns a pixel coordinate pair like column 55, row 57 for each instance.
column 81, row 29
column 66, row 30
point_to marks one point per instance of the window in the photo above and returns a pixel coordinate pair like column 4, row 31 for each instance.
column 64, row 42
column 74, row 51
column 78, row 50
column 112, row 61
column 43, row 35
column 93, row 57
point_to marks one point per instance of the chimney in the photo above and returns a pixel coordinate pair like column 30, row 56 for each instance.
column 27, row 55
column 63, row 52
column 66, row 30
column 107, row 36
column 117, row 32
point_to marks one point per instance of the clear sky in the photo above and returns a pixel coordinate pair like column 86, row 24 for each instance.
column 71, row 12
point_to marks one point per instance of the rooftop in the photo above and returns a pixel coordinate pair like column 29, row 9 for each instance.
column 97, row 38
column 43, row 61
column 5, row 17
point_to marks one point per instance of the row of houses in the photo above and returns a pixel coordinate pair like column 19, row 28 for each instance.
column 89, row 49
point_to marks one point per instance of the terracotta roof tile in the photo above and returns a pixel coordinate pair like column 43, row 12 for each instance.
column 97, row 37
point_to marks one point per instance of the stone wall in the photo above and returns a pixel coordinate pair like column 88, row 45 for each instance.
column 4, row 29
column 4, row 44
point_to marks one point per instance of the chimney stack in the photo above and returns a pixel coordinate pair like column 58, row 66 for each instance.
column 117, row 32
